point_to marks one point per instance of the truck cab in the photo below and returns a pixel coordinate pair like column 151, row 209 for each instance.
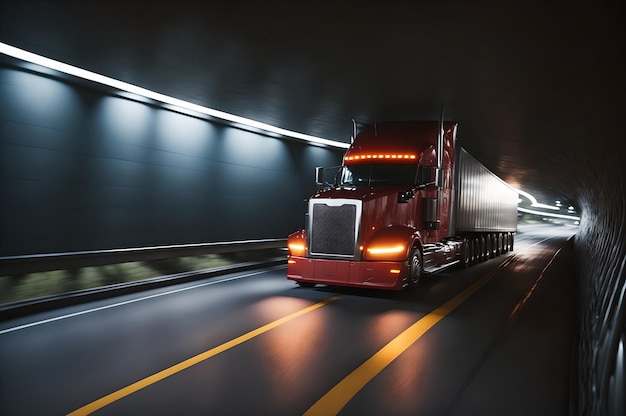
column 388, row 215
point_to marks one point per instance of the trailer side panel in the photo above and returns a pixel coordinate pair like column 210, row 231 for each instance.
column 484, row 203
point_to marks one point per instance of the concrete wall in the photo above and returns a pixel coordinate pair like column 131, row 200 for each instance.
column 82, row 169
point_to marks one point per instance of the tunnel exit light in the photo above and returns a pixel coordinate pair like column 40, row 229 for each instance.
column 158, row 97
column 534, row 202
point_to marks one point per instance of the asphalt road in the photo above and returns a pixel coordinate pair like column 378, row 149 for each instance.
column 492, row 339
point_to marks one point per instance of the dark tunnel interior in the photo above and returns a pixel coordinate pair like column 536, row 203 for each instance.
column 537, row 89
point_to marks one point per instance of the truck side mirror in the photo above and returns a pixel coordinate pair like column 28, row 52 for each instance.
column 319, row 178
column 403, row 197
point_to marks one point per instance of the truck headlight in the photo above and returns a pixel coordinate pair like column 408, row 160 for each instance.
column 393, row 252
column 296, row 249
column 385, row 250
column 296, row 244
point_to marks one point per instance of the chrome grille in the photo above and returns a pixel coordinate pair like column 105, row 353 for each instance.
column 333, row 227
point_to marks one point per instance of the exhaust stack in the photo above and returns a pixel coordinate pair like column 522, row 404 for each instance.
column 439, row 170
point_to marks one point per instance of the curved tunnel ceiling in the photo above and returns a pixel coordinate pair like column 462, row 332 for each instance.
column 535, row 86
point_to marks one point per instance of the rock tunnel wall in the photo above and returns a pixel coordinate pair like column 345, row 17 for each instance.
column 600, row 246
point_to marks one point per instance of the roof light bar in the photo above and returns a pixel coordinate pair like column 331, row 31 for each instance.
column 162, row 98
column 381, row 156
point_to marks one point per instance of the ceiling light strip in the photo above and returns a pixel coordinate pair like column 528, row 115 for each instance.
column 165, row 99
column 162, row 98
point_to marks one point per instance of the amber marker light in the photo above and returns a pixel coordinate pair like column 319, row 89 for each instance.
column 394, row 271
column 386, row 250
column 393, row 156
column 296, row 249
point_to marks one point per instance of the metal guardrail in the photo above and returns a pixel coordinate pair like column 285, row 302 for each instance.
column 19, row 265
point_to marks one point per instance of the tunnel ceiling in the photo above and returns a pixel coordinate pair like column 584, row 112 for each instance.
column 535, row 86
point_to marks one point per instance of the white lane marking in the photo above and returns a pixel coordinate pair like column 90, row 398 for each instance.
column 71, row 315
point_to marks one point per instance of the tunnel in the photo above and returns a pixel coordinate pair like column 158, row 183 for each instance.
column 270, row 90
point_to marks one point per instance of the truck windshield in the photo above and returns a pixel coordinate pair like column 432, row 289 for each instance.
column 378, row 174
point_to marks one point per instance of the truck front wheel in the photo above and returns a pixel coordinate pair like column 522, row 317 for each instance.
column 416, row 268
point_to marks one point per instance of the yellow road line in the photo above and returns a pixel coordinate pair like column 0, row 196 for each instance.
column 128, row 390
column 336, row 399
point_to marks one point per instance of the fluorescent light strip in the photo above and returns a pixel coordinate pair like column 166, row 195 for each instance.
column 166, row 99
column 133, row 89
column 548, row 214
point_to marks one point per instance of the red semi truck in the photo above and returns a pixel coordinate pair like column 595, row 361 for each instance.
column 405, row 202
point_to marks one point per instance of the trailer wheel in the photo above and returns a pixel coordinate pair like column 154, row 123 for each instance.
column 478, row 256
column 416, row 268
column 305, row 284
column 511, row 238
column 484, row 256
column 496, row 245
column 466, row 258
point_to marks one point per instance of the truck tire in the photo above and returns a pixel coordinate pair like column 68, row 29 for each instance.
column 416, row 268
column 511, row 238
column 496, row 245
column 483, row 250
column 466, row 256
column 305, row 284
column 478, row 256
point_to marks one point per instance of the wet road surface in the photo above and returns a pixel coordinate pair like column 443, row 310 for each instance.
column 495, row 338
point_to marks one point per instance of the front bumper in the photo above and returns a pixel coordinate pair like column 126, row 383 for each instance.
column 389, row 275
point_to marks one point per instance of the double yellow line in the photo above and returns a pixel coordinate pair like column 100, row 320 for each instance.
column 333, row 401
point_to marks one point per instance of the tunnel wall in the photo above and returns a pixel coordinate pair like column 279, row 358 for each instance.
column 600, row 246
column 83, row 169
